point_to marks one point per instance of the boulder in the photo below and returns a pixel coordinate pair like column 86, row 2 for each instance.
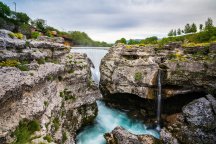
column 121, row 136
column 199, row 113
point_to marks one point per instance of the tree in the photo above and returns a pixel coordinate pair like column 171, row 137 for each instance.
column 22, row 18
column 4, row 10
column 187, row 28
column 122, row 40
column 179, row 31
column 131, row 42
column 193, row 28
column 150, row 40
column 201, row 27
column 40, row 24
column 174, row 33
column 170, row 33
column 208, row 24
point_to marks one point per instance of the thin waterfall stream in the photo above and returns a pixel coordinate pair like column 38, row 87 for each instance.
column 159, row 101
column 108, row 118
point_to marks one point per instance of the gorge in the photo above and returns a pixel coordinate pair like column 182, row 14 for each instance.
column 51, row 93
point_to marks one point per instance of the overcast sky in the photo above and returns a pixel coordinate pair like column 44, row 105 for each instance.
column 108, row 20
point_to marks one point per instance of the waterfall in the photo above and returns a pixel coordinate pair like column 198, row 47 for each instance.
column 159, row 101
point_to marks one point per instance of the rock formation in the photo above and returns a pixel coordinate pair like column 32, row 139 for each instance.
column 129, row 73
column 45, row 91
column 121, row 136
column 133, row 69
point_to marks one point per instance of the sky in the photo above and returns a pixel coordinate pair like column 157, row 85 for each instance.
column 109, row 20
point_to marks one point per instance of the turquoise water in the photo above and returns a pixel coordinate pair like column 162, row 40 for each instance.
column 106, row 120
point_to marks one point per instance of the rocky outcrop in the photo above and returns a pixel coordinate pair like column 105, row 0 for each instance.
column 196, row 124
column 41, row 81
column 134, row 69
column 121, row 136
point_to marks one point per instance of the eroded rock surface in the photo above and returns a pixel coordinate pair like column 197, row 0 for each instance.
column 134, row 69
column 45, row 82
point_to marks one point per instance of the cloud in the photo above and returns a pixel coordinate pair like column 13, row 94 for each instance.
column 109, row 20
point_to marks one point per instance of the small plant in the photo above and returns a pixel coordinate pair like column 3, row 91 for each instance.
column 64, row 137
column 12, row 35
column 66, row 95
column 138, row 76
column 9, row 63
column 71, row 71
column 31, row 74
column 23, row 67
column 46, row 103
column 19, row 35
column 56, row 123
column 27, row 44
column 48, row 138
column 24, row 131
column 50, row 78
column 41, row 61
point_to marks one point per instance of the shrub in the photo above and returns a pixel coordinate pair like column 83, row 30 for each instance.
column 41, row 61
column 56, row 123
column 48, row 138
column 64, row 137
column 19, row 35
column 138, row 76
column 24, row 131
column 23, row 67
column 9, row 63
column 35, row 35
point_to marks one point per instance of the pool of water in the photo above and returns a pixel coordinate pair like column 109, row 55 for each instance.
column 107, row 119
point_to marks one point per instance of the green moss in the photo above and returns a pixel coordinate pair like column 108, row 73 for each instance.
column 31, row 74
column 23, row 67
column 66, row 95
column 24, row 131
column 9, row 63
column 27, row 44
column 41, row 61
column 50, row 78
column 64, row 137
column 71, row 71
column 48, row 138
column 138, row 76
column 56, row 123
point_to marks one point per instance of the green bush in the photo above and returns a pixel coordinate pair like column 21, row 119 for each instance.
column 23, row 67
column 138, row 76
column 48, row 138
column 9, row 63
column 41, row 61
column 64, row 137
column 24, row 131
column 35, row 35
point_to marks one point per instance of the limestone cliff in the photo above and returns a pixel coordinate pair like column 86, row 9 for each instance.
column 46, row 93
column 134, row 69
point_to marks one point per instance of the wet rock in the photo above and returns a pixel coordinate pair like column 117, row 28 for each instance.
column 167, row 137
column 121, row 136
column 212, row 100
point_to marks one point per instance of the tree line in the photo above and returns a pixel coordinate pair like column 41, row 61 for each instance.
column 20, row 22
column 191, row 28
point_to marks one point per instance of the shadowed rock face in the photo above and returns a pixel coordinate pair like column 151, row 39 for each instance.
column 134, row 69
column 57, row 92
column 195, row 124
